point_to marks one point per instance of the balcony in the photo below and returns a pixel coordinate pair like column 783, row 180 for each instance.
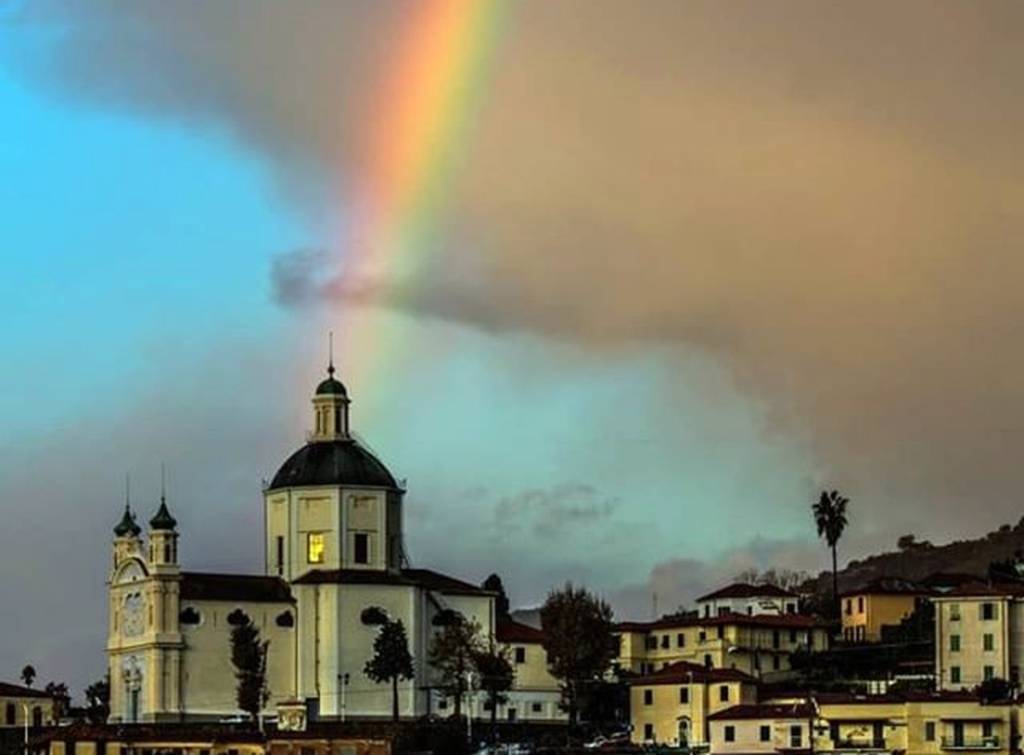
column 860, row 745
column 970, row 743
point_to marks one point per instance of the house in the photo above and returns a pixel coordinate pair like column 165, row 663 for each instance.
column 759, row 645
column 979, row 634
column 535, row 693
column 21, row 706
column 752, row 600
column 756, row 728
column 673, row 705
column 880, row 603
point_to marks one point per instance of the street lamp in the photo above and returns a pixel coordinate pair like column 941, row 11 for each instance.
column 342, row 684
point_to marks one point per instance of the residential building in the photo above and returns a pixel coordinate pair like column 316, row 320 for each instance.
column 20, row 705
column 752, row 600
column 535, row 693
column 672, row 706
column 979, row 634
column 760, row 645
column 913, row 724
column 756, row 728
column 334, row 530
column 880, row 603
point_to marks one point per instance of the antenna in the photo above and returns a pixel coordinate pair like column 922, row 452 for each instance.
column 330, row 353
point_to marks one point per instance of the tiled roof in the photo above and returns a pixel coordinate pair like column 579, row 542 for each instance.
column 888, row 586
column 744, row 590
column 981, row 589
column 764, row 710
column 194, row 733
column 424, row 578
column 783, row 621
column 513, row 631
column 17, row 690
column 234, row 587
column 683, row 672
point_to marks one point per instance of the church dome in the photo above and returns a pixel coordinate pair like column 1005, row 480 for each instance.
column 337, row 462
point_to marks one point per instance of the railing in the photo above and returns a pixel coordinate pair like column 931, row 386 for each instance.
column 859, row 744
column 970, row 743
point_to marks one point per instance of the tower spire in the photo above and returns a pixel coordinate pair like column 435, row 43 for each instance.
column 330, row 353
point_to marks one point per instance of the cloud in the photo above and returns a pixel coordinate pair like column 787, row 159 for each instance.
column 548, row 512
column 296, row 277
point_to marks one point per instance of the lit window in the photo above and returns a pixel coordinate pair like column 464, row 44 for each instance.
column 315, row 547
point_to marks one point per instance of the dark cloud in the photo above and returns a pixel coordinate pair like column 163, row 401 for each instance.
column 297, row 277
column 548, row 512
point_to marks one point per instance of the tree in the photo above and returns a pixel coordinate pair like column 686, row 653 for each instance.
column 830, row 518
column 391, row 661
column 28, row 674
column 496, row 677
column 994, row 690
column 494, row 584
column 249, row 657
column 452, row 652
column 97, row 700
column 906, row 542
column 579, row 641
column 58, row 691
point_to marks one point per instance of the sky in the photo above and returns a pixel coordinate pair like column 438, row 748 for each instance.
column 617, row 287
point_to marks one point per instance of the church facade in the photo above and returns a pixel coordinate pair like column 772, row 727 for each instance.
column 333, row 543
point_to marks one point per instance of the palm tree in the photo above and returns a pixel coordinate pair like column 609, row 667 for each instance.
column 830, row 517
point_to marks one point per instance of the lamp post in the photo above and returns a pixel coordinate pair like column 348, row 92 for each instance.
column 342, row 684
column 24, row 710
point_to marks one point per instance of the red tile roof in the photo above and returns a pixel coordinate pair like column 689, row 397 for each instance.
column 783, row 621
column 684, row 672
column 513, row 631
column 16, row 690
column 745, row 590
column 764, row 710
column 980, row 589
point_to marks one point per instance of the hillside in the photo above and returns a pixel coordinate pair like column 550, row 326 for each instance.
column 919, row 560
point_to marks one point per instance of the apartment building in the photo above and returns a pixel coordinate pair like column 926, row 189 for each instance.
column 979, row 634
column 23, row 706
column 758, row 645
column 880, row 603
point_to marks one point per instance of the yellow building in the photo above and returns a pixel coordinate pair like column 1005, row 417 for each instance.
column 535, row 693
column 915, row 724
column 880, row 603
column 333, row 547
column 672, row 706
column 760, row 645
column 977, row 631
column 20, row 705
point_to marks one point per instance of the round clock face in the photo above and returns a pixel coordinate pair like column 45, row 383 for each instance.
column 132, row 615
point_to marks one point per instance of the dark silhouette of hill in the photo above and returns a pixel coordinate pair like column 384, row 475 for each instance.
column 915, row 560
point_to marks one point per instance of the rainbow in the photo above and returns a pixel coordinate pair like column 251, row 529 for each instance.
column 414, row 140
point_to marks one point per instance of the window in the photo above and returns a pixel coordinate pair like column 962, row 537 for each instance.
column 776, row 640
column 280, row 555
column 954, row 643
column 684, row 695
column 721, row 633
column 707, row 660
column 648, row 732
column 651, row 642
column 730, row 733
column 664, row 641
column 12, row 713
column 648, row 697
column 849, row 606
column 929, row 731
column 796, row 736
column 442, row 704
column 954, row 612
column 775, row 663
column 986, row 729
column 989, row 672
column 315, row 547
column 792, row 636
column 511, row 714
column 988, row 611
column 520, row 655
column 766, row 733
column 361, row 553
column 680, row 640
column 791, row 608
column 989, row 642
column 536, row 707
column 37, row 716
column 954, row 674
column 860, row 604
column 702, row 636
column 750, row 610
column 723, row 693
column 487, row 705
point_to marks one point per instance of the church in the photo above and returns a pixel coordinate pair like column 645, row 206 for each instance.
column 333, row 541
